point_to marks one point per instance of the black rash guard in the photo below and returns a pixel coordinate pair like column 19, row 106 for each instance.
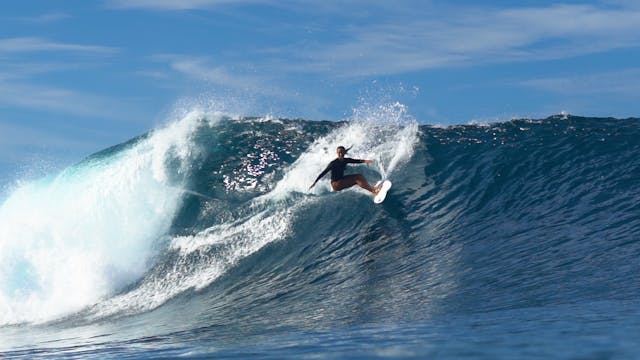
column 337, row 167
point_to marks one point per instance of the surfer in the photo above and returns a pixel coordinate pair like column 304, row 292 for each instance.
column 339, row 181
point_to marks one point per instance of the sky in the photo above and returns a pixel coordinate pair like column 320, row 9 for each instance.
column 78, row 76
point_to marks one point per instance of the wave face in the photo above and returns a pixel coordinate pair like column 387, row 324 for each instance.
column 208, row 223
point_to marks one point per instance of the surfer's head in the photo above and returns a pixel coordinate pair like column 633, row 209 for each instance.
column 341, row 151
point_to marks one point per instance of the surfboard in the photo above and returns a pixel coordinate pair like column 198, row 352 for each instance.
column 386, row 185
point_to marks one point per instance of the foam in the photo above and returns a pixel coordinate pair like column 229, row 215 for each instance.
column 70, row 240
column 202, row 258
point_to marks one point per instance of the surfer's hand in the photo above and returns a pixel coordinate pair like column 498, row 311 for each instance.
column 368, row 161
column 312, row 185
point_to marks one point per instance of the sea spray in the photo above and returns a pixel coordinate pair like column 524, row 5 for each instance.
column 386, row 134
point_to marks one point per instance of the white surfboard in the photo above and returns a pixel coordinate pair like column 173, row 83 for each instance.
column 386, row 185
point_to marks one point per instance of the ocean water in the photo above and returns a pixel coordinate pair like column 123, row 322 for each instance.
column 200, row 239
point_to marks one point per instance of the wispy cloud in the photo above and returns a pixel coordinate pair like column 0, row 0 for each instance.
column 470, row 36
column 34, row 44
column 22, row 62
column 621, row 82
column 419, row 35
column 256, row 90
column 28, row 69
column 43, row 18
column 432, row 36
column 174, row 4
column 59, row 100
column 204, row 69
column 313, row 6
column 20, row 67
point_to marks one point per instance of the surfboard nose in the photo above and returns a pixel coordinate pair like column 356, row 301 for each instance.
column 382, row 194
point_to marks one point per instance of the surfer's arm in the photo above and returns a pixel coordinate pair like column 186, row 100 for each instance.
column 358, row 161
column 323, row 173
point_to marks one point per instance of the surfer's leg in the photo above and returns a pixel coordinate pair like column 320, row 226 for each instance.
column 350, row 180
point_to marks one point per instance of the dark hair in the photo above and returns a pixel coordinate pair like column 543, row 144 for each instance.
column 343, row 148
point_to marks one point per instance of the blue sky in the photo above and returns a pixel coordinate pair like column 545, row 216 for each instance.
column 78, row 76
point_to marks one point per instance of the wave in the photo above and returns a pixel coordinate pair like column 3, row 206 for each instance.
column 212, row 213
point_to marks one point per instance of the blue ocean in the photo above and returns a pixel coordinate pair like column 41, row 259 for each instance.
column 200, row 239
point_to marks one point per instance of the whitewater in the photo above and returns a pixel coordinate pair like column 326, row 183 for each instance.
column 515, row 239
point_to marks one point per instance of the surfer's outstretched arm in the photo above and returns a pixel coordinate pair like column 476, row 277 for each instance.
column 323, row 173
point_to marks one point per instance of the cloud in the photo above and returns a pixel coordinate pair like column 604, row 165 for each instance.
column 58, row 100
column 34, row 44
column 202, row 69
column 306, row 6
column 428, row 39
column 44, row 18
column 621, row 83
column 173, row 4
column 243, row 88
column 26, row 69
column 20, row 65
column 17, row 88
column 383, row 39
